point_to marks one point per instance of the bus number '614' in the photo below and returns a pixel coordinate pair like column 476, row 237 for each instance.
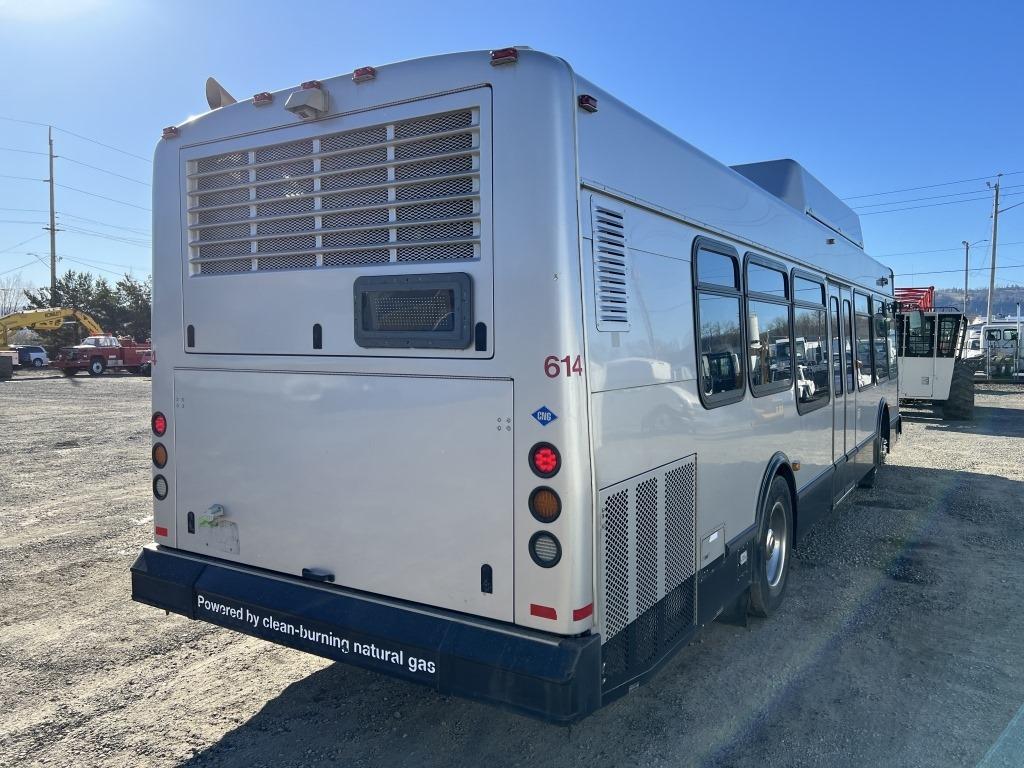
column 554, row 366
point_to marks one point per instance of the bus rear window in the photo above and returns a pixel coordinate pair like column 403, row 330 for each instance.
column 414, row 311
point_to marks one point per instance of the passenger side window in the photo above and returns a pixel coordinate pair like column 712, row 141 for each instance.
column 881, row 337
column 865, row 356
column 719, row 317
column 811, row 344
column 836, row 348
column 770, row 348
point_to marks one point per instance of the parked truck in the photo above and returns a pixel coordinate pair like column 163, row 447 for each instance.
column 98, row 353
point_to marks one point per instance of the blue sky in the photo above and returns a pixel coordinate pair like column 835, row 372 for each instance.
column 870, row 96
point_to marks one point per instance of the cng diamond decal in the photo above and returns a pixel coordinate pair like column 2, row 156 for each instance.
column 544, row 415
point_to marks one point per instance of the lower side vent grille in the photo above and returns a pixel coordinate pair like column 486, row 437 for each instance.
column 648, row 567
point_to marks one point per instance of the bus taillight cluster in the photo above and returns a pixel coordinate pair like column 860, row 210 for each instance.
column 545, row 505
column 159, row 424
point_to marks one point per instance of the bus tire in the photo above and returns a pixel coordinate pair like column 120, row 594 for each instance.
column 960, row 403
column 773, row 550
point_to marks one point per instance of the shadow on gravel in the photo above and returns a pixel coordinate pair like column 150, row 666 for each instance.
column 896, row 624
column 988, row 420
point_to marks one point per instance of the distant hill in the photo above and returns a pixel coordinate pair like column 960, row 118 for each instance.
column 1004, row 301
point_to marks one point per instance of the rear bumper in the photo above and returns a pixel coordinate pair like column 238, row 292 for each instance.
column 552, row 678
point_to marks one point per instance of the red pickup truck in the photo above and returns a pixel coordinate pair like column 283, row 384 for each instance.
column 98, row 353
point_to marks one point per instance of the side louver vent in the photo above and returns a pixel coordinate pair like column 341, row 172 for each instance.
column 611, row 269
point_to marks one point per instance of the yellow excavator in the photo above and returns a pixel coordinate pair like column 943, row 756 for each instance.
column 39, row 320
column 46, row 320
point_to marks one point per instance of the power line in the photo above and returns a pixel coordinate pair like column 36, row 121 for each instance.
column 102, row 170
column 101, row 269
column 11, row 248
column 22, row 151
column 929, row 186
column 933, row 205
column 106, row 236
column 104, row 197
column 947, row 271
column 22, row 178
column 25, row 210
column 15, row 269
column 930, row 197
column 19, row 221
column 101, row 223
column 938, row 250
column 77, row 136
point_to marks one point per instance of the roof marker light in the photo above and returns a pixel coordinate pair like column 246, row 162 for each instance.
column 262, row 98
column 171, row 132
column 363, row 74
column 588, row 102
column 504, row 56
column 312, row 84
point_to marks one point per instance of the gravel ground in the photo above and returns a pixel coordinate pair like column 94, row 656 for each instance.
column 899, row 644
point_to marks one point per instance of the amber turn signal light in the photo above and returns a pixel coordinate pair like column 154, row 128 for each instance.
column 160, row 455
column 545, row 505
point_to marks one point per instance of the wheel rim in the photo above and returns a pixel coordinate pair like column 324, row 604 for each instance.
column 97, row 368
column 776, row 545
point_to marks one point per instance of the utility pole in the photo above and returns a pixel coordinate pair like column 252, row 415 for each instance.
column 967, row 262
column 995, row 232
column 53, row 231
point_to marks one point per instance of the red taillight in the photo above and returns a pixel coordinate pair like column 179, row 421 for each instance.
column 160, row 530
column 504, row 56
column 262, row 98
column 545, row 461
column 363, row 74
column 159, row 424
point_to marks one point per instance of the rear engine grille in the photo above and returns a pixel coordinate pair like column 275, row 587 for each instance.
column 407, row 191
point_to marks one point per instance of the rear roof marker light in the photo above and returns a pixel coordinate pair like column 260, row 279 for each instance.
column 171, row 132
column 312, row 84
column 504, row 56
column 363, row 74
column 262, row 98
column 588, row 102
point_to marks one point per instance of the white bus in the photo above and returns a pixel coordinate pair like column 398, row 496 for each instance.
column 462, row 376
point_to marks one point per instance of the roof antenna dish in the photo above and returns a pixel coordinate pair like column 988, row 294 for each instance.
column 216, row 95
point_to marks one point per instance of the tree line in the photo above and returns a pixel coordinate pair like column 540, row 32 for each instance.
column 122, row 308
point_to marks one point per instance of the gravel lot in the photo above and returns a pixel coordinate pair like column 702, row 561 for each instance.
column 900, row 642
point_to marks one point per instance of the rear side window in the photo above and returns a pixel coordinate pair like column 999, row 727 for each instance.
column 718, row 308
column 811, row 344
column 770, row 348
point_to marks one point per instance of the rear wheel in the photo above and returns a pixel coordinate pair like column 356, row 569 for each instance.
column 37, row 362
column 772, row 550
column 960, row 403
column 96, row 366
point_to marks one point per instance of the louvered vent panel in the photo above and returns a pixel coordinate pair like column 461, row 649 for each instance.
column 406, row 191
column 611, row 268
column 648, row 558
